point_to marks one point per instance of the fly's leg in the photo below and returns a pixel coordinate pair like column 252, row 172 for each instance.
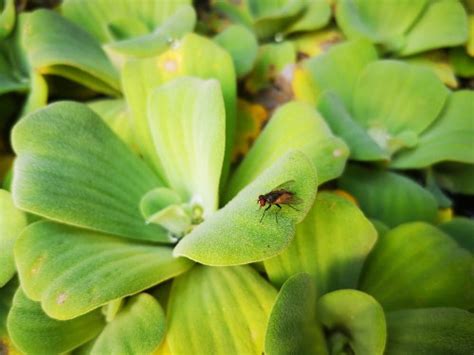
column 263, row 215
column 276, row 214
column 291, row 206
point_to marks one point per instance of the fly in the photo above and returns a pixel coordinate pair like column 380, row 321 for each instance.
column 281, row 195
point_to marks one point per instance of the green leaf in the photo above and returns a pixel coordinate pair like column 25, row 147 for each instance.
column 461, row 229
column 241, row 45
column 7, row 18
column 192, row 56
column 72, row 271
column 156, row 42
column 389, row 197
column 362, row 146
column 156, row 200
column 316, row 15
column 182, row 137
column 272, row 17
column 12, row 222
column 439, row 62
column 455, row 177
column 331, row 245
column 292, row 327
column 101, row 17
column 462, row 62
column 380, row 227
column 73, row 169
column 12, row 78
column 434, row 331
column 448, row 138
column 339, row 68
column 382, row 22
column 271, row 60
column 116, row 114
column 443, row 24
column 353, row 319
column 163, row 206
column 219, row 311
column 56, row 46
column 6, row 298
column 430, row 268
column 237, row 234
column 38, row 95
column 295, row 125
column 33, row 332
column 138, row 328
column 393, row 100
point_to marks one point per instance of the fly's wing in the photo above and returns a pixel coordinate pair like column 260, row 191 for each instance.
column 287, row 185
column 290, row 197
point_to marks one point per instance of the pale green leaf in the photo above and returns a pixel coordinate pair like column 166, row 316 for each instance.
column 338, row 69
column 238, row 233
column 434, row 331
column 331, row 245
column 192, row 56
column 73, row 169
column 355, row 320
column 416, row 265
column 241, row 45
column 101, row 17
column 443, row 24
column 295, row 125
column 219, row 311
column 393, row 99
column 33, row 332
column 383, row 22
column 187, row 121
column 53, row 45
column 361, row 145
column 450, row 137
column 389, row 197
column 461, row 229
column 12, row 222
column 138, row 328
column 292, row 327
column 72, row 271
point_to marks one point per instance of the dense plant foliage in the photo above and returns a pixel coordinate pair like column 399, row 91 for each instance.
column 139, row 138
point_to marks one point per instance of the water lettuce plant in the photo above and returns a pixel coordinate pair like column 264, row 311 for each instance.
column 139, row 136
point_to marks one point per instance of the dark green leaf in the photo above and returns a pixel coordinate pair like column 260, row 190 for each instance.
column 388, row 197
column 292, row 327
column 33, row 332
column 434, row 331
column 416, row 265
